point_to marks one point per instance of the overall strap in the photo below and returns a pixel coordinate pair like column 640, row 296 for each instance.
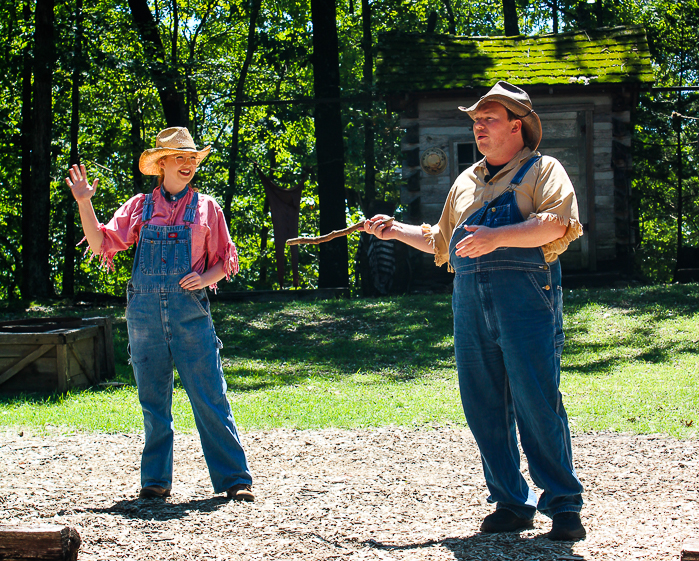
column 519, row 176
column 147, row 213
column 477, row 216
column 191, row 209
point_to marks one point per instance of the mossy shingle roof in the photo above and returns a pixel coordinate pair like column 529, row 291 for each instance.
column 409, row 62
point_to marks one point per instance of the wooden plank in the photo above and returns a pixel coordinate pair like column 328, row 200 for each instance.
column 590, row 188
column 45, row 364
column 62, row 366
column 435, row 134
column 46, row 542
column 30, row 339
column 544, row 109
column 82, row 333
column 19, row 365
column 10, row 352
column 39, row 325
column 89, row 372
column 109, row 372
column 49, row 338
column 98, row 352
column 559, row 129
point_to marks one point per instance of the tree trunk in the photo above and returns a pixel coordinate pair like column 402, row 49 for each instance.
column 264, row 233
column 368, row 71
column 333, row 263
column 167, row 80
column 554, row 9
column 239, row 92
column 35, row 240
column 69, row 249
column 450, row 16
column 677, row 127
column 509, row 10
column 26, row 145
column 137, row 147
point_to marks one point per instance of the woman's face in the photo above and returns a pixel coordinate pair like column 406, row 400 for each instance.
column 178, row 171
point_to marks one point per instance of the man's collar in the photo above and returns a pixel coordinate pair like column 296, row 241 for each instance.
column 517, row 160
column 521, row 156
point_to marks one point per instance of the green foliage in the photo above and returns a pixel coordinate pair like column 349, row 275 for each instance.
column 204, row 48
column 673, row 34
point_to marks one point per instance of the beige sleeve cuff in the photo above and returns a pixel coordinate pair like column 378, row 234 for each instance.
column 434, row 238
column 573, row 231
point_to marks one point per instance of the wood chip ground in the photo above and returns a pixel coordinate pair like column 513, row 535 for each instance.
column 389, row 494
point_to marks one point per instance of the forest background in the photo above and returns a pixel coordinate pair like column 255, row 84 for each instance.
column 95, row 83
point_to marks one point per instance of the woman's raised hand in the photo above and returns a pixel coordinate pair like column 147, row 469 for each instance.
column 79, row 185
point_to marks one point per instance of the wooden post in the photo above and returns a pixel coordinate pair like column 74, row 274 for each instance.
column 690, row 550
column 45, row 542
column 62, row 368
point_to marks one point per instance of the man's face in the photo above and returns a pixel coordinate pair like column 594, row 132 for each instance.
column 496, row 137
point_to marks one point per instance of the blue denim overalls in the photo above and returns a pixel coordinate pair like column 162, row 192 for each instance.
column 508, row 339
column 167, row 324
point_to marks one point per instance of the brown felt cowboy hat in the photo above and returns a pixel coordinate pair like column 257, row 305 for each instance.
column 173, row 140
column 517, row 101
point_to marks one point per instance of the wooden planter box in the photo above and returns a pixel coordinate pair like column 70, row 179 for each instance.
column 48, row 355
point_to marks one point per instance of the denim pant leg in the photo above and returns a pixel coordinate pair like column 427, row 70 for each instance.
column 153, row 369
column 530, row 326
column 485, row 394
column 195, row 348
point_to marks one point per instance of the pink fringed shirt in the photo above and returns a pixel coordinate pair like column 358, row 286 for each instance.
column 211, row 241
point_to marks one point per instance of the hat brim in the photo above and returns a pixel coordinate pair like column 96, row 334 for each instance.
column 148, row 162
column 530, row 120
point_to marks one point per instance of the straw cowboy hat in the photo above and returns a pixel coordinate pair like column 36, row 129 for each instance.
column 517, row 101
column 173, row 140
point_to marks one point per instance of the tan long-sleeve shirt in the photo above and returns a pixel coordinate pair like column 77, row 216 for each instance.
column 546, row 193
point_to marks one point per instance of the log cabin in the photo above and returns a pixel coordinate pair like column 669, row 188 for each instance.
column 584, row 85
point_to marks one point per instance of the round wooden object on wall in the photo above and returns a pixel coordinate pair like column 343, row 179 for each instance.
column 433, row 161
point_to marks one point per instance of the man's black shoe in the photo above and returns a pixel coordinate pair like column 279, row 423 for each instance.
column 154, row 492
column 566, row 527
column 504, row 520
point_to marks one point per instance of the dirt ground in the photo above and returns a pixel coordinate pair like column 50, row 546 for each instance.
column 390, row 493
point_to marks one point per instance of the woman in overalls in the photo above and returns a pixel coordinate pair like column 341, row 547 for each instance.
column 183, row 247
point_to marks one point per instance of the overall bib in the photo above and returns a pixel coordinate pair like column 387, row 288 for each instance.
column 168, row 326
column 508, row 340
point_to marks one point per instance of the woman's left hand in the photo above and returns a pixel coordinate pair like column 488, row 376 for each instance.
column 192, row 281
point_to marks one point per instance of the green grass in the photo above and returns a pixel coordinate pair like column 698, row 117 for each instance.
column 630, row 364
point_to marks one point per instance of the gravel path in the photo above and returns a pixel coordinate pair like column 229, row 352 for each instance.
column 390, row 493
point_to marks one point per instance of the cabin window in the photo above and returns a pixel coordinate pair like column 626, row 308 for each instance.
column 467, row 154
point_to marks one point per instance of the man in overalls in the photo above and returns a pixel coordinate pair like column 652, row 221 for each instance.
column 506, row 220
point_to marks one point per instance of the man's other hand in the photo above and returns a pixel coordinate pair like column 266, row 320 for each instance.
column 481, row 241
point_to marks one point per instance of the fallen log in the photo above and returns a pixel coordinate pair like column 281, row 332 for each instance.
column 335, row 233
column 46, row 542
column 690, row 550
